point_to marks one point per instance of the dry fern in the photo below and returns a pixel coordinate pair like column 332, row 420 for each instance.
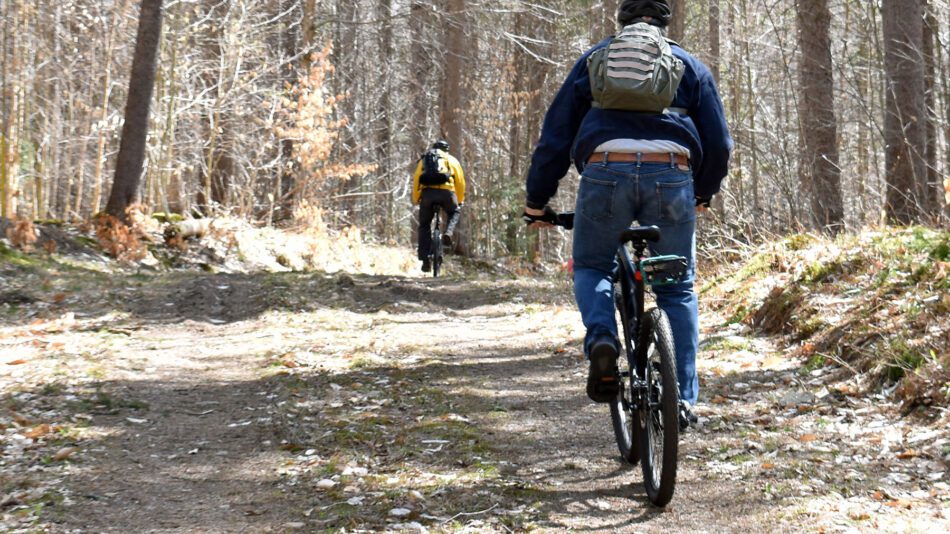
column 119, row 240
column 22, row 234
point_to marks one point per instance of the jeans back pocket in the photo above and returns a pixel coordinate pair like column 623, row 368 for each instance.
column 595, row 199
column 676, row 201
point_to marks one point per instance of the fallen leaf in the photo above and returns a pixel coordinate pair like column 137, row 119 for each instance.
column 59, row 298
column 807, row 438
column 326, row 484
column 17, row 362
column 21, row 420
column 65, row 453
column 37, row 431
column 859, row 516
column 290, row 363
column 908, row 454
column 877, row 496
column 719, row 399
column 899, row 503
column 768, row 465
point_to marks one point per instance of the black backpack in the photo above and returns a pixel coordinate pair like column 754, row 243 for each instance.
column 435, row 169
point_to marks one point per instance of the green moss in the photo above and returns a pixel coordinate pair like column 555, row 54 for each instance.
column 759, row 264
column 808, row 324
column 901, row 359
column 14, row 257
column 740, row 314
column 798, row 242
column 941, row 250
column 732, row 344
column 816, row 361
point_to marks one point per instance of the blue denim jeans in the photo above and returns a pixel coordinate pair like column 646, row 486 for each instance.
column 611, row 197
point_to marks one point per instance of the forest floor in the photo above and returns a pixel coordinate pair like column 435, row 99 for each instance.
column 148, row 401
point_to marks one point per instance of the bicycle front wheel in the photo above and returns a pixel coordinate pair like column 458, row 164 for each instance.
column 658, row 415
column 621, row 413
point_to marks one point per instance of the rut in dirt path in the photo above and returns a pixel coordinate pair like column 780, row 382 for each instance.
column 378, row 403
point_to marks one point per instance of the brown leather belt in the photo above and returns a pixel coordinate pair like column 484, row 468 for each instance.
column 680, row 160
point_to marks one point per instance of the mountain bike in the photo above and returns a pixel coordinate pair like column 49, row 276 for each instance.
column 435, row 249
column 645, row 414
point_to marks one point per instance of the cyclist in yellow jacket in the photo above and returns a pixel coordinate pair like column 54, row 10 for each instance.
column 438, row 182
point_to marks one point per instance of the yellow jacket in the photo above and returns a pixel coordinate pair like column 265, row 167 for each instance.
column 457, row 182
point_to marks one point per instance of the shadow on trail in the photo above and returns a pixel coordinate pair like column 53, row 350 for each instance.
column 227, row 298
column 470, row 433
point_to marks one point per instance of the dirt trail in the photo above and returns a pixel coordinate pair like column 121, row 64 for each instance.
column 291, row 403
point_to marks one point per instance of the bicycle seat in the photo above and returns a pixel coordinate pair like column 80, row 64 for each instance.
column 640, row 233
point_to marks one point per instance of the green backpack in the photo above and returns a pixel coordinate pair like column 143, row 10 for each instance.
column 637, row 71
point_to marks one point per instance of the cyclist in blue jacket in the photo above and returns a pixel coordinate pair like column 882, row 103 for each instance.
column 654, row 168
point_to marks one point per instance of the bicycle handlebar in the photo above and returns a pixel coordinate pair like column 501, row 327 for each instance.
column 564, row 220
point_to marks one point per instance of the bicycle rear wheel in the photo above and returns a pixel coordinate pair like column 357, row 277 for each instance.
column 621, row 413
column 437, row 264
column 437, row 247
column 658, row 417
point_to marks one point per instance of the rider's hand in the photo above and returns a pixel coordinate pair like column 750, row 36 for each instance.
column 702, row 204
column 536, row 218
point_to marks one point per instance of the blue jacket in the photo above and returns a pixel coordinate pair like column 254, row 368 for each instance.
column 573, row 129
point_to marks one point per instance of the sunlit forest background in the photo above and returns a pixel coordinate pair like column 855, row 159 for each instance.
column 266, row 109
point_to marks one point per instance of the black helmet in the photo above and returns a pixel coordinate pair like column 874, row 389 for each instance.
column 631, row 10
column 441, row 144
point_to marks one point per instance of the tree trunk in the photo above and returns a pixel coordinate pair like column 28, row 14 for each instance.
column 677, row 28
column 529, row 75
column 8, row 115
column 904, row 124
column 420, row 65
column 450, row 98
column 104, row 113
column 819, row 172
column 719, row 202
column 933, row 189
column 128, row 172
column 307, row 34
column 384, row 208
column 603, row 19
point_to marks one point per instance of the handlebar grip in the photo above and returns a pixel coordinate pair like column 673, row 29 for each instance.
column 566, row 220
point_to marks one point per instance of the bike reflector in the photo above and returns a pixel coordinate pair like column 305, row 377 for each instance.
column 663, row 270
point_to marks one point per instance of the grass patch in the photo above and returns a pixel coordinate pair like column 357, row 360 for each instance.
column 815, row 362
column 730, row 344
column 901, row 360
column 877, row 299
column 103, row 402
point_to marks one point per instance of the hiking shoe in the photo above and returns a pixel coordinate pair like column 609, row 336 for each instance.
column 447, row 240
column 602, row 383
column 687, row 417
column 426, row 265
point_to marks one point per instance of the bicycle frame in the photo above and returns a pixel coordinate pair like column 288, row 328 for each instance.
column 645, row 409
column 631, row 281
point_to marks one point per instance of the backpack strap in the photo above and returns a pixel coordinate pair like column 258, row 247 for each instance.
column 670, row 111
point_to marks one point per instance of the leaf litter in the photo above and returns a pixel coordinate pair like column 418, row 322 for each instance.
column 374, row 414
